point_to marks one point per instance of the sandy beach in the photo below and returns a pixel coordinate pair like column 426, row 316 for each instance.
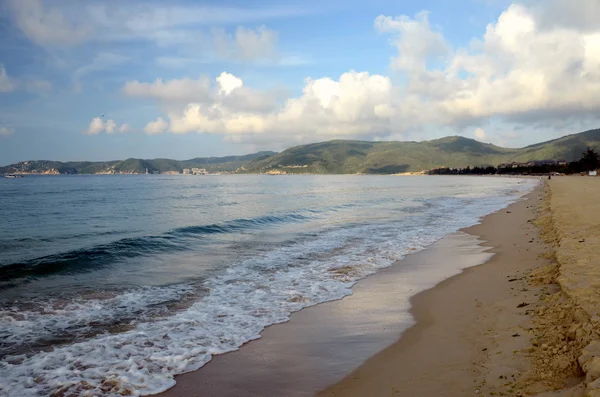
column 513, row 316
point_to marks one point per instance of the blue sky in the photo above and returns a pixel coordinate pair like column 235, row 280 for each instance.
column 101, row 80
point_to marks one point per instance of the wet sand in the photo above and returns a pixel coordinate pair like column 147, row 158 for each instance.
column 323, row 343
column 462, row 342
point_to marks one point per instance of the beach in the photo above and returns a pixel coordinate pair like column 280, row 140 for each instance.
column 515, row 321
column 472, row 332
column 524, row 323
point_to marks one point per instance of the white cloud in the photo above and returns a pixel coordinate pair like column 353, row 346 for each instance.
column 357, row 103
column 173, row 90
column 124, row 128
column 414, row 39
column 246, row 44
column 228, row 82
column 110, row 126
column 480, row 134
column 98, row 125
column 5, row 131
column 156, row 127
column 6, row 84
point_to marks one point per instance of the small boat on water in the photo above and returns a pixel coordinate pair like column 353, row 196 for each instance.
column 13, row 176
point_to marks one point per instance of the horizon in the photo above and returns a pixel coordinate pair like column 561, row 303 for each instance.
column 192, row 79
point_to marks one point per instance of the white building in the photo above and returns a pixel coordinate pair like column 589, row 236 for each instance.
column 199, row 171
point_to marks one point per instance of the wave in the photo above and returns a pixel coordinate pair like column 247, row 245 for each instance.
column 240, row 302
column 96, row 257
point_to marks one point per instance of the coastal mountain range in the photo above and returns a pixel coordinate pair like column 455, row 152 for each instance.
column 340, row 157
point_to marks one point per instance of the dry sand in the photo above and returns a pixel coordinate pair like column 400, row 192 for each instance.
column 503, row 328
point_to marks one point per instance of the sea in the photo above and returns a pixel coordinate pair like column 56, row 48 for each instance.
column 112, row 284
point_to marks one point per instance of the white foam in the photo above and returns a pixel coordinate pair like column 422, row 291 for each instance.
column 241, row 301
column 72, row 318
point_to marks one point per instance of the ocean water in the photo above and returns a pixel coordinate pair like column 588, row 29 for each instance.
column 111, row 285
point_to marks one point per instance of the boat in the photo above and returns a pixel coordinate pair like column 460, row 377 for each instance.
column 12, row 176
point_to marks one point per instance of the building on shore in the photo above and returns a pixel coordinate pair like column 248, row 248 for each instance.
column 199, row 171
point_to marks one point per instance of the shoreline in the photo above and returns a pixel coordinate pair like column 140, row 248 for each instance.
column 463, row 341
column 324, row 343
column 487, row 331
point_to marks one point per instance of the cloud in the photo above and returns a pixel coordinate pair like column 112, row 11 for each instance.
column 229, row 91
column 156, row 127
column 572, row 14
column 78, row 22
column 124, row 128
column 5, row 131
column 414, row 39
column 520, row 70
column 6, row 84
column 357, row 103
column 47, row 26
column 177, row 90
column 98, row 125
column 102, row 61
column 480, row 134
column 246, row 44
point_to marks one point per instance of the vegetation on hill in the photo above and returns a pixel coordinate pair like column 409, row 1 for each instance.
column 589, row 161
column 349, row 157
column 132, row 166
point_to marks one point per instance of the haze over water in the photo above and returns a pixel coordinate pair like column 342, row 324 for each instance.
column 116, row 283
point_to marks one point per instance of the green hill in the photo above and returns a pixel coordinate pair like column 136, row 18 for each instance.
column 349, row 157
column 132, row 166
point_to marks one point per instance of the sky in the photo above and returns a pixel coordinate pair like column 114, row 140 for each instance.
column 113, row 79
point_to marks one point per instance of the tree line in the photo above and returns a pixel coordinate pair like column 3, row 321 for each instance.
column 589, row 161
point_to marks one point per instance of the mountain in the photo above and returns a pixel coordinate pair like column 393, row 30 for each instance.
column 349, row 157
column 341, row 157
column 132, row 166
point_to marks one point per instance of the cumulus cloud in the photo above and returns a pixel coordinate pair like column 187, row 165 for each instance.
column 523, row 70
column 357, row 103
column 98, row 125
column 5, row 131
column 156, row 127
column 6, row 84
column 124, row 128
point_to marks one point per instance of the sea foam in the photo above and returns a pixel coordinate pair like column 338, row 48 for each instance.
column 241, row 301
